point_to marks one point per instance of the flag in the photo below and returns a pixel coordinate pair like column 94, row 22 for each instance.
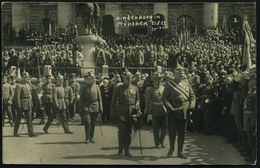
column 224, row 24
column 50, row 29
column 248, row 40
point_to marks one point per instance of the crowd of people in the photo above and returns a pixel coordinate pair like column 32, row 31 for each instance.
column 225, row 94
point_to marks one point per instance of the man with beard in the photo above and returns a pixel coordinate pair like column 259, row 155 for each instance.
column 177, row 97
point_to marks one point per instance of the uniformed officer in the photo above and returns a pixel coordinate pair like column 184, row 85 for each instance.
column 38, row 101
column 155, row 107
column 90, row 105
column 125, row 101
column 75, row 88
column 208, row 104
column 24, row 105
column 47, row 95
column 13, row 84
column 177, row 97
column 8, row 94
column 59, row 107
column 68, row 96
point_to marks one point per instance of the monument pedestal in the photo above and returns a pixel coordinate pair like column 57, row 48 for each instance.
column 88, row 43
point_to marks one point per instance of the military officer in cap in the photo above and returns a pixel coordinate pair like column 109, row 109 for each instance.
column 125, row 101
column 177, row 97
column 154, row 106
column 47, row 95
column 23, row 99
column 8, row 94
column 59, row 106
column 75, row 88
column 69, row 98
column 90, row 105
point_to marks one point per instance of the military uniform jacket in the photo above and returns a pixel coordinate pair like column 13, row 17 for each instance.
column 179, row 96
column 90, row 99
column 47, row 93
column 153, row 101
column 125, row 99
column 75, row 88
column 8, row 93
column 23, row 96
column 58, row 97
column 68, row 95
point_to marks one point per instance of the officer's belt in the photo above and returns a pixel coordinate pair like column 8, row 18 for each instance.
column 157, row 103
column 92, row 101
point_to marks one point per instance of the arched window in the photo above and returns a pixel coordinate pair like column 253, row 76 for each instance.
column 159, row 25
column 108, row 25
column 185, row 22
column 235, row 23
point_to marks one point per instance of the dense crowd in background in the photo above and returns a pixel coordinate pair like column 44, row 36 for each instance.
column 214, row 68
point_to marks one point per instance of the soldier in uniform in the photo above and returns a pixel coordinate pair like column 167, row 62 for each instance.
column 177, row 97
column 125, row 101
column 250, row 117
column 90, row 105
column 68, row 96
column 155, row 107
column 8, row 94
column 208, row 104
column 75, row 88
column 47, row 96
column 23, row 100
column 38, row 101
column 13, row 84
column 59, row 107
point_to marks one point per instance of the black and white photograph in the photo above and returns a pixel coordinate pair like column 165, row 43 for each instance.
column 129, row 83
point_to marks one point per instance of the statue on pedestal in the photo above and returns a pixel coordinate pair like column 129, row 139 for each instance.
column 89, row 12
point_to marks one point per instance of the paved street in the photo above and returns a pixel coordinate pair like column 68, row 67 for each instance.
column 59, row 148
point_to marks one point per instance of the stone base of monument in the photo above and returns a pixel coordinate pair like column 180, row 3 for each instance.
column 88, row 43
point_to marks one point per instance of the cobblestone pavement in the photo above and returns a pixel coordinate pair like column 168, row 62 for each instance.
column 60, row 148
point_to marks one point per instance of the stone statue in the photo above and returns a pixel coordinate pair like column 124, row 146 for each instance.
column 89, row 12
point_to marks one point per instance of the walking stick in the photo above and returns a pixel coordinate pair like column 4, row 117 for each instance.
column 140, row 140
column 100, row 125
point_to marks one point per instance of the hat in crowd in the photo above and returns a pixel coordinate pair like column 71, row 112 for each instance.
column 25, row 74
column 73, row 75
column 126, row 74
column 156, row 76
column 89, row 74
column 59, row 77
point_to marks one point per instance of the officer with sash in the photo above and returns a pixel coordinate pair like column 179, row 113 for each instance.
column 177, row 97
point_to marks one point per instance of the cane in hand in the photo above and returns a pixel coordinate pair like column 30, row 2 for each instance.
column 100, row 124
column 140, row 140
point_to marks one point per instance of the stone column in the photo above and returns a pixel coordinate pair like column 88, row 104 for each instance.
column 161, row 8
column 20, row 15
column 113, row 9
column 64, row 14
column 88, row 43
column 210, row 14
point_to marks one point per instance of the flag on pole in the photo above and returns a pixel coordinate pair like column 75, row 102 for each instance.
column 50, row 29
column 224, row 24
column 248, row 40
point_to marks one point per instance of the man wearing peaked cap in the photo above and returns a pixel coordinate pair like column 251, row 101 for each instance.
column 177, row 97
column 90, row 105
column 24, row 105
column 59, row 106
column 154, row 106
column 125, row 101
column 47, row 98
column 75, row 88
